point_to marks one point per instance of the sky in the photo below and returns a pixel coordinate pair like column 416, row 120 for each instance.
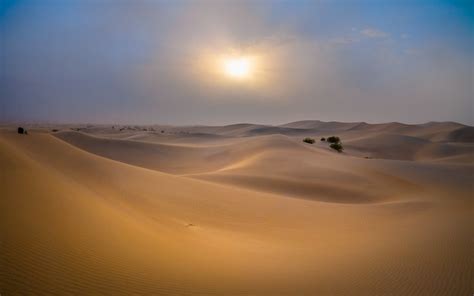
column 159, row 62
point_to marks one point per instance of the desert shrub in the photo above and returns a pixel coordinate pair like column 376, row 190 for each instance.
column 337, row 146
column 308, row 140
column 54, row 130
column 333, row 139
column 323, row 139
column 21, row 130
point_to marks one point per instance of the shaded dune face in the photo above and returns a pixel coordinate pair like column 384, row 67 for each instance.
column 237, row 210
column 273, row 163
column 278, row 162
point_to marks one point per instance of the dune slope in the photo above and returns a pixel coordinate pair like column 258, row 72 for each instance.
column 73, row 222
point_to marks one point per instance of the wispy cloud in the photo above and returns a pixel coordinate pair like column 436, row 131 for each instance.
column 343, row 40
column 373, row 33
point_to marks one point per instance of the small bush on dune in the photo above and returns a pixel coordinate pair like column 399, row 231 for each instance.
column 21, row 130
column 337, row 146
column 308, row 140
column 334, row 142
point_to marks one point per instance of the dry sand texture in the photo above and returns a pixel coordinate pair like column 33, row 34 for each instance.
column 237, row 210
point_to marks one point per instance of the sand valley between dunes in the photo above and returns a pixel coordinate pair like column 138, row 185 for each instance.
column 241, row 209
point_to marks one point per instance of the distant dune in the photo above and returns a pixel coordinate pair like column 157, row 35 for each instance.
column 241, row 209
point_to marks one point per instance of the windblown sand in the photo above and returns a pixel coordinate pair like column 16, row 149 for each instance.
column 237, row 210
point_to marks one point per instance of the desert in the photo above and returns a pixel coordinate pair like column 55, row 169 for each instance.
column 236, row 147
column 241, row 209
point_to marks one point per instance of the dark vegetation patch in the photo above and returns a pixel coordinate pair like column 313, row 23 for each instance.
column 337, row 146
column 22, row 131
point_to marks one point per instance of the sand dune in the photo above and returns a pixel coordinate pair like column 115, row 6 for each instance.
column 178, row 159
column 237, row 210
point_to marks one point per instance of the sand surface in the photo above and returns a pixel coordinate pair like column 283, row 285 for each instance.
column 237, row 210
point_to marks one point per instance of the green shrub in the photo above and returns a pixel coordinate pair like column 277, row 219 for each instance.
column 308, row 140
column 333, row 139
column 323, row 139
column 337, row 146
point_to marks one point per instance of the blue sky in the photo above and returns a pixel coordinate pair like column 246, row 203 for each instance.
column 148, row 61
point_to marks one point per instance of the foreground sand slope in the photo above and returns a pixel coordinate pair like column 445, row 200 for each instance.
column 78, row 223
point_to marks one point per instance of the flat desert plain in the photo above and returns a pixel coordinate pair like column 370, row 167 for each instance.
column 242, row 209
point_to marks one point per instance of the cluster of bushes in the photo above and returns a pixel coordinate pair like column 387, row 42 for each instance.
column 337, row 146
column 335, row 142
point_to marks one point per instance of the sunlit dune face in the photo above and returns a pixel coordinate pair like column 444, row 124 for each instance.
column 238, row 68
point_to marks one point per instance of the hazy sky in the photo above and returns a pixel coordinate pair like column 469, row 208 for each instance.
column 156, row 61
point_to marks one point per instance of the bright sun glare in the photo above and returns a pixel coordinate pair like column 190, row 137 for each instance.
column 237, row 67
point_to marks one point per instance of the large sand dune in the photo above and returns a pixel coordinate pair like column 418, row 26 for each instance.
column 237, row 210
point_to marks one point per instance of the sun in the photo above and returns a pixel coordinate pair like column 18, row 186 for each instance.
column 239, row 68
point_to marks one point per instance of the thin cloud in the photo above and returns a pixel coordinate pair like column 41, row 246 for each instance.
column 373, row 33
column 343, row 40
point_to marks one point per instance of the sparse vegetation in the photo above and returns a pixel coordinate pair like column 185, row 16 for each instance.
column 335, row 143
column 308, row 140
column 21, row 130
column 54, row 130
column 337, row 146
